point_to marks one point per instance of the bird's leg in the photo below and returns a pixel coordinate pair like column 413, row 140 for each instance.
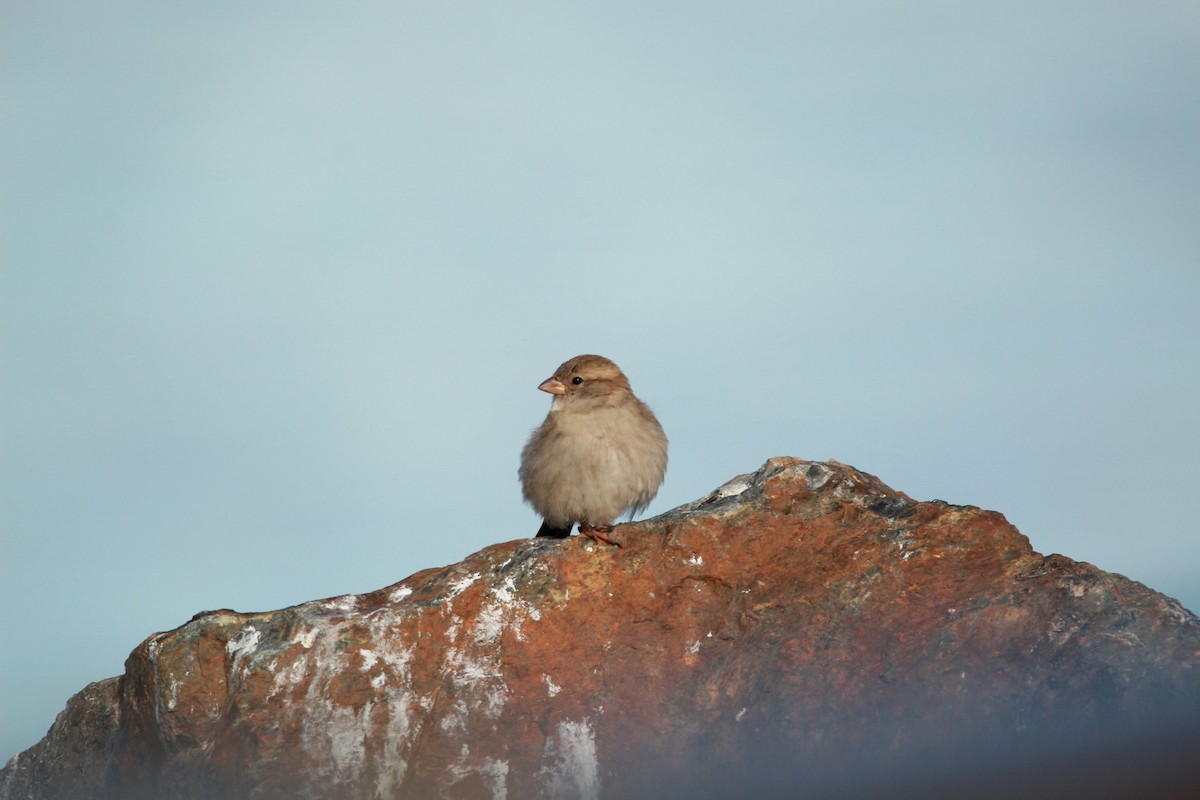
column 597, row 533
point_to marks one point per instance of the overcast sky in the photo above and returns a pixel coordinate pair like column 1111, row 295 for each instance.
column 279, row 281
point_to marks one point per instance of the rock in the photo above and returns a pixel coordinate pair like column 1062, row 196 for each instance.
column 802, row 628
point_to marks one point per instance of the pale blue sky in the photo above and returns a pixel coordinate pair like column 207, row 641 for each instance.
column 279, row 281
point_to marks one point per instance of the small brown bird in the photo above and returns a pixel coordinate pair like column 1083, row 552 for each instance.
column 599, row 454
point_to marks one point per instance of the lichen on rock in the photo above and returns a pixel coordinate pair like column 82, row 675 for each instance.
column 787, row 631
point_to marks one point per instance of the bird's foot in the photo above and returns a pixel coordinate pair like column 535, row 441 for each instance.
column 597, row 533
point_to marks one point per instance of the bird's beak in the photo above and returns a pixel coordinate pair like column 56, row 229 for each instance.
column 553, row 386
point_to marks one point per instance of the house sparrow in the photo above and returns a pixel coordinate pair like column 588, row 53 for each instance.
column 599, row 454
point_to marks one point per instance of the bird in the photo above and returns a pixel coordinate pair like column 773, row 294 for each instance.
column 600, row 453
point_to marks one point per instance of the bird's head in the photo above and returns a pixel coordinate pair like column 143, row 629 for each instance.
column 585, row 377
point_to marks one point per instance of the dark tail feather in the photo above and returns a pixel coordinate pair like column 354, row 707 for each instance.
column 554, row 533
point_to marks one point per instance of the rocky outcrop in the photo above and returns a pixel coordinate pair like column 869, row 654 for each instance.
column 802, row 628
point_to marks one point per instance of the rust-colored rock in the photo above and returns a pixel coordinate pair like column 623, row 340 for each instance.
column 804, row 627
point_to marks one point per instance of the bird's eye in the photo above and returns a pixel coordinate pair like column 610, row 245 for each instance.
column 577, row 380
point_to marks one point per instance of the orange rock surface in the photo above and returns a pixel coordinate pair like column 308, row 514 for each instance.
column 802, row 628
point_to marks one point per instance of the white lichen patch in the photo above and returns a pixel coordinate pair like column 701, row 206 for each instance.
column 347, row 740
column 394, row 763
column 506, row 592
column 477, row 675
column 172, row 693
column 346, row 736
column 461, row 585
column 489, row 624
column 244, row 644
column 474, row 644
column 291, row 676
column 154, row 647
column 394, row 684
column 504, row 609
column 305, row 638
column 493, row 772
column 474, row 670
column 696, row 560
column 569, row 765
column 344, row 604
column 552, row 688
column 397, row 658
column 456, row 720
